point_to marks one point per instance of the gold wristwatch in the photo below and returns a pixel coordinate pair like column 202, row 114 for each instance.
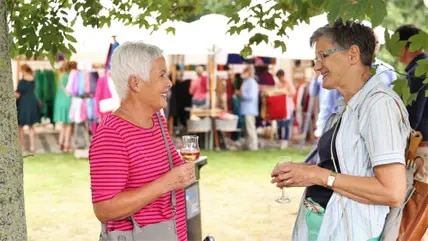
column 331, row 179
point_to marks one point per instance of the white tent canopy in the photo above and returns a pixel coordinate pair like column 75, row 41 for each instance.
column 208, row 35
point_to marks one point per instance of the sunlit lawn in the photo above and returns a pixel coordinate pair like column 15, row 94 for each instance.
column 237, row 200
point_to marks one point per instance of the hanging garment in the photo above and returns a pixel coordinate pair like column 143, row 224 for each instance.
column 102, row 92
column 93, row 78
column 81, row 84
column 72, row 82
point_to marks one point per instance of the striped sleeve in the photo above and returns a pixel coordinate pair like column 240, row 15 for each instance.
column 382, row 132
column 109, row 164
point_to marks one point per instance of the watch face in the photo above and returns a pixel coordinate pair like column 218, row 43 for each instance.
column 330, row 181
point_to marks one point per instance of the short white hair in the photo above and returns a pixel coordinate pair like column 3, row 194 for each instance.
column 250, row 69
column 132, row 59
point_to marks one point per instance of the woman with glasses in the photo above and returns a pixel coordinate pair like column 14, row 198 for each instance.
column 360, row 172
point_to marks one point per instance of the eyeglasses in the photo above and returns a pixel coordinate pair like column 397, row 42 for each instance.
column 324, row 54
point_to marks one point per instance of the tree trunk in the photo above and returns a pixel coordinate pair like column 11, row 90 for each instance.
column 12, row 212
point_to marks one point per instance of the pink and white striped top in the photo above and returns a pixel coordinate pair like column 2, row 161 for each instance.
column 123, row 156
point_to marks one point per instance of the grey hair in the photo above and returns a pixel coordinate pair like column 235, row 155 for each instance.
column 345, row 34
column 132, row 59
column 251, row 70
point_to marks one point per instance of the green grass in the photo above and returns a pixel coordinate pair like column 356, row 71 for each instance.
column 236, row 197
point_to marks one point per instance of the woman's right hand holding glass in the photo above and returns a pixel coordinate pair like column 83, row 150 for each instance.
column 180, row 177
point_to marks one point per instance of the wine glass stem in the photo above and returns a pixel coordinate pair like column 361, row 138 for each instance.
column 283, row 192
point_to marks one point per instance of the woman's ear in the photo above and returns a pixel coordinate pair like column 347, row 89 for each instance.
column 133, row 83
column 354, row 54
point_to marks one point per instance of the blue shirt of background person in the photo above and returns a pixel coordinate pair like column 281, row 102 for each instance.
column 249, row 97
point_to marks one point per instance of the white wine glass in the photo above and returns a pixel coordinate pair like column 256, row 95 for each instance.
column 189, row 150
column 283, row 198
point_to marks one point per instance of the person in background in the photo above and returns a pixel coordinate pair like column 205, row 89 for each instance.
column 198, row 88
column 62, row 108
column 418, row 110
column 237, row 83
column 299, row 100
column 361, row 170
column 28, row 106
column 285, row 86
column 128, row 158
column 230, row 90
column 249, row 106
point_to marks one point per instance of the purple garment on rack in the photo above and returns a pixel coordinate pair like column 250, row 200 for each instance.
column 72, row 82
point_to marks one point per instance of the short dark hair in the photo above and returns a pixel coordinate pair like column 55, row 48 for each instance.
column 345, row 34
column 26, row 69
column 406, row 31
column 280, row 73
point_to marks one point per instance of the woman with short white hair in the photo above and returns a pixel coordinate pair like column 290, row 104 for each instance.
column 137, row 175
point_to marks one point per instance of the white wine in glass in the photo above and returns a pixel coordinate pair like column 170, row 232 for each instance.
column 190, row 151
column 283, row 198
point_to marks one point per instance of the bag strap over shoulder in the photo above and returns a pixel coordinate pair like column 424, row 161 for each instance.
column 171, row 165
column 414, row 140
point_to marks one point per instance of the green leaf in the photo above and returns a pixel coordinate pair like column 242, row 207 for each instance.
column 355, row 10
column 64, row 50
column 334, row 10
column 70, row 38
column 422, row 67
column 426, row 93
column 378, row 12
column 425, row 81
column 405, row 94
column 373, row 70
column 68, row 29
column 317, row 3
column 418, row 41
column 72, row 49
column 13, row 50
column 51, row 59
column 246, row 51
column 279, row 43
column 398, row 84
column 393, row 44
column 170, row 30
column 412, row 98
column 258, row 38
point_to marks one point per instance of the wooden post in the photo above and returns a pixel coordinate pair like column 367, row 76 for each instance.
column 212, row 81
column 174, row 81
column 212, row 94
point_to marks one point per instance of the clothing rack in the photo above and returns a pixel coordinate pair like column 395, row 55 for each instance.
column 34, row 64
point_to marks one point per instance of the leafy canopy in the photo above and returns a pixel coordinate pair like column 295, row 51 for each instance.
column 45, row 27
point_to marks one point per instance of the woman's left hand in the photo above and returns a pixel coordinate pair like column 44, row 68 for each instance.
column 291, row 174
